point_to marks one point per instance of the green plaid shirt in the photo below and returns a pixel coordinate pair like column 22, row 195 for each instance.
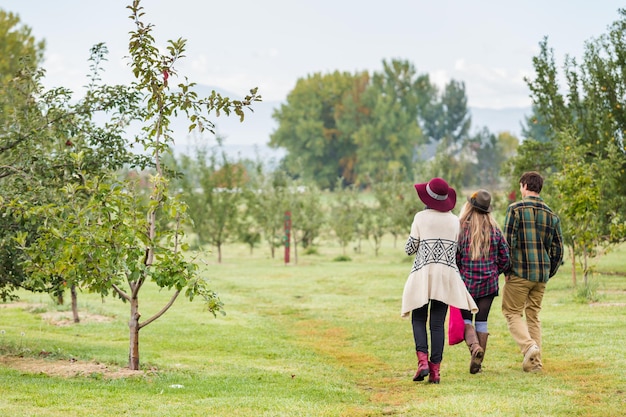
column 533, row 232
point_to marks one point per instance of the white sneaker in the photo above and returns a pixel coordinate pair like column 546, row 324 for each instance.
column 532, row 360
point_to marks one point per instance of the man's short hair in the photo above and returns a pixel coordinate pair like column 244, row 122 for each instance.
column 533, row 181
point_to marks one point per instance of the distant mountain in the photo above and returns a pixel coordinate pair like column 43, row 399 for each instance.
column 500, row 120
column 249, row 139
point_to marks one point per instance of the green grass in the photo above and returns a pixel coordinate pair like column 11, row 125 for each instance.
column 320, row 338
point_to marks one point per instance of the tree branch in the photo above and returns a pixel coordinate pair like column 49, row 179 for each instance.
column 160, row 313
column 121, row 292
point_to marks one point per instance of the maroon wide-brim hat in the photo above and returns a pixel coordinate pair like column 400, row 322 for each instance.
column 436, row 194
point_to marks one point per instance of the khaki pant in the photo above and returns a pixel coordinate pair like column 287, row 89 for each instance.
column 521, row 297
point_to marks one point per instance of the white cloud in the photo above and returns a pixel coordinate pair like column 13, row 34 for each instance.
column 459, row 65
column 439, row 77
column 492, row 86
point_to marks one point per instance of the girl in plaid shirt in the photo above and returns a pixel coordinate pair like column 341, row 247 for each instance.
column 482, row 255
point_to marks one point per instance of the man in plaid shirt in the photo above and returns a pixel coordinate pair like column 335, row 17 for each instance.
column 533, row 232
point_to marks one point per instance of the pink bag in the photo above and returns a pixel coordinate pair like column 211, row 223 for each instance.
column 456, row 326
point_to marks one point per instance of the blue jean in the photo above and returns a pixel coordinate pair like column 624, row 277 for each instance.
column 419, row 317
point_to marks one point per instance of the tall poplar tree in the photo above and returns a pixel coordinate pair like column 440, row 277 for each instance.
column 20, row 57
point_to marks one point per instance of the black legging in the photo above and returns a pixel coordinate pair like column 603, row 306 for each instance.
column 419, row 316
column 484, row 305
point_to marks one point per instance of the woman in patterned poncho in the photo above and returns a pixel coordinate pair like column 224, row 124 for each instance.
column 434, row 281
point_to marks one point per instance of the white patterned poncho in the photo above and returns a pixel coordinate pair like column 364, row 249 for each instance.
column 434, row 275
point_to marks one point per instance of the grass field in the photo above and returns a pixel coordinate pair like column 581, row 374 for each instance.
column 320, row 338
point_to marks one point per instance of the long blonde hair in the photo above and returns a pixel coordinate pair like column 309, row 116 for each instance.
column 476, row 227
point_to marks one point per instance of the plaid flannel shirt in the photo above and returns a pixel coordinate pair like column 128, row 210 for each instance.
column 481, row 275
column 533, row 232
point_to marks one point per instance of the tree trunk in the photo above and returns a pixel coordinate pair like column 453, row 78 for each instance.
column 219, row 253
column 573, row 255
column 585, row 267
column 133, row 325
column 74, row 304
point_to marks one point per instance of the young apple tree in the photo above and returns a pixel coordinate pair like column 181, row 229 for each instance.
column 108, row 237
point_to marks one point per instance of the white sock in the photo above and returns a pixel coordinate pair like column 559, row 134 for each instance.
column 481, row 327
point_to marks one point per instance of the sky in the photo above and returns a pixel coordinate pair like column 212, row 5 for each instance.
column 270, row 44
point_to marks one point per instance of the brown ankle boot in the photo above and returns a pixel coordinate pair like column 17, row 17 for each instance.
column 433, row 376
column 476, row 351
column 422, row 366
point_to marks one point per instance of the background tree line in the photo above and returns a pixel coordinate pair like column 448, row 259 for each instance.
column 364, row 127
